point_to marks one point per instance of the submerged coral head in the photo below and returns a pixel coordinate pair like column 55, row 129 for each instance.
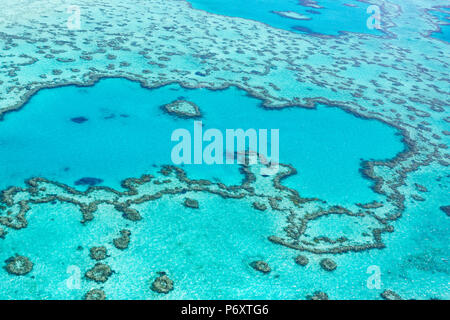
column 87, row 181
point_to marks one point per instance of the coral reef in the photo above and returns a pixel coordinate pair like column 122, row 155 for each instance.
column 350, row 71
column 446, row 210
column 95, row 294
column 123, row 241
column 261, row 266
column 328, row 264
column 301, row 213
column 191, row 203
column 18, row 265
column 98, row 253
column 301, row 260
column 183, row 109
column 99, row 273
column 390, row 295
column 318, row 295
column 290, row 53
column 259, row 206
column 162, row 284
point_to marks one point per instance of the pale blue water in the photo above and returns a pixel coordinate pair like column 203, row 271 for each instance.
column 332, row 18
column 125, row 125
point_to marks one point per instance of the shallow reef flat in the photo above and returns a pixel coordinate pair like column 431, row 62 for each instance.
column 400, row 78
column 120, row 242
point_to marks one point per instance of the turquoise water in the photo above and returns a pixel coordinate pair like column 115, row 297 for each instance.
column 129, row 127
column 124, row 134
column 207, row 251
column 444, row 23
column 116, row 129
column 331, row 18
